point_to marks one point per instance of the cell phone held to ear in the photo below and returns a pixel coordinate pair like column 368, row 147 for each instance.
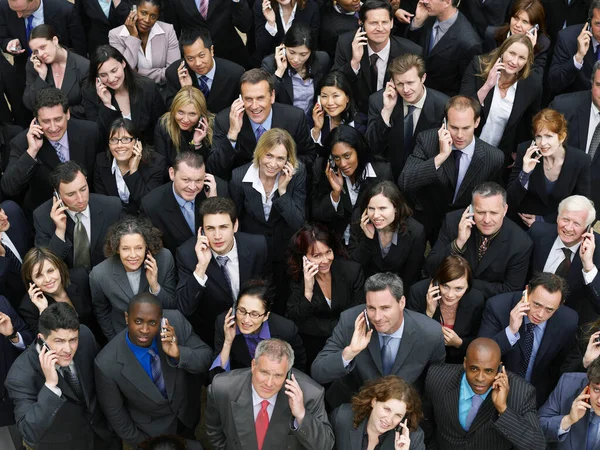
column 43, row 344
column 332, row 165
column 367, row 323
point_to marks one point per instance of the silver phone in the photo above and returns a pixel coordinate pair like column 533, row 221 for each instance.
column 163, row 325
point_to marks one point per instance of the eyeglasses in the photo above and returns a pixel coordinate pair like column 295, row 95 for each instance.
column 123, row 140
column 241, row 313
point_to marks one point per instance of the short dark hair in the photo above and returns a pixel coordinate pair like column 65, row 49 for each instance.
column 144, row 297
column 156, row 3
column 217, row 205
column 462, row 102
column 489, row 189
column 192, row 159
column 44, row 31
column 337, row 79
column 370, row 5
column 385, row 280
column 298, row 35
column 58, row 316
column 102, row 54
column 49, row 98
column 351, row 137
column 164, row 441
column 65, row 173
column 255, row 76
column 132, row 225
column 594, row 4
column 551, row 282
column 593, row 371
column 189, row 36
column 260, row 289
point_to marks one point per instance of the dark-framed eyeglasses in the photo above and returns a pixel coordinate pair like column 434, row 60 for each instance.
column 123, row 140
column 242, row 312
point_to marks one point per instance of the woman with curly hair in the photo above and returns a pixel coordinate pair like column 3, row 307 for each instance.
column 384, row 415
column 135, row 262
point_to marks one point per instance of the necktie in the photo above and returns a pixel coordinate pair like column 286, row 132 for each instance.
column 387, row 357
column 73, row 382
column 563, row 268
column 14, row 265
column 597, row 52
column 592, row 434
column 203, row 83
column 485, row 242
column 61, row 156
column 527, row 348
column 222, row 261
column 408, row 126
column 259, row 132
column 476, row 402
column 374, row 72
column 595, row 140
column 81, row 245
column 157, row 376
column 262, row 423
column 203, row 8
column 434, row 36
column 28, row 27
column 188, row 214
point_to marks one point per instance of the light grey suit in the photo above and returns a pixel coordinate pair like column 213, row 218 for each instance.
column 111, row 290
column 230, row 416
column 422, row 344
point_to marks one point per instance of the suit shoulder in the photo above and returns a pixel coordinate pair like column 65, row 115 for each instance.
column 307, row 382
column 42, row 212
column 174, row 316
column 288, row 111
column 345, row 39
column 503, row 302
column 568, row 319
column 442, row 371
column 569, row 379
column 516, row 231
column 222, row 383
column 519, row 385
column 150, row 199
column 237, row 174
column 429, row 327
column 251, row 241
column 408, row 46
column 490, row 150
column 349, row 266
column 465, row 30
column 83, row 126
column 343, row 416
column 108, row 201
column 414, row 226
column 230, row 67
column 439, row 98
column 348, row 316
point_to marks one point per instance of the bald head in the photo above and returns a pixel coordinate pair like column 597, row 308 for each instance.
column 481, row 364
column 485, row 345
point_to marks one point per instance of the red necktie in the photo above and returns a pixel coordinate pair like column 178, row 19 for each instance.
column 262, row 423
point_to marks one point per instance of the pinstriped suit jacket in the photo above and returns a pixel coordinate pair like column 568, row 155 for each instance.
column 517, row 428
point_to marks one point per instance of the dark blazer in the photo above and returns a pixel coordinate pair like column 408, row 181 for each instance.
column 486, row 14
column 422, row 344
column 583, row 298
column 361, row 83
column 225, row 87
column 333, row 25
column 309, row 16
column 8, row 355
column 47, row 421
column 11, row 283
column 224, row 157
column 161, row 207
column 447, row 61
column 528, row 97
column 559, row 12
column 574, row 179
column 145, row 110
column 104, row 211
column 576, row 108
column 517, row 428
column 559, row 335
column 433, row 190
column 503, row 268
column 466, row 323
column 25, row 175
column 347, row 437
column 202, row 304
column 389, row 141
column 133, row 404
column 149, row 176
column 287, row 212
column 95, row 22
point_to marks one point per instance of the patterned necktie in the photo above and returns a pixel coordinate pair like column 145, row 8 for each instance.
column 81, row 245
column 61, row 156
column 408, row 126
column 565, row 265
column 527, row 348
column 387, row 358
column 14, row 265
column 374, row 72
column 592, row 434
column 485, row 242
column 259, row 132
column 595, row 140
column 157, row 376
column 203, row 83
column 262, row 423
column 203, row 8
column 74, row 383
column 476, row 402
column 222, row 261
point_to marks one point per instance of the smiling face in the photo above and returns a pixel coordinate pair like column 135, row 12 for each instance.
column 246, row 307
column 187, row 117
column 147, row 15
column 112, row 73
column 334, row 100
column 386, row 416
column 489, row 213
column 453, row 291
column 381, row 211
column 520, row 23
column 53, row 121
column 346, row 158
column 64, row 343
column 321, row 254
column 378, row 26
column 514, row 58
column 75, row 195
column 481, row 367
column 120, row 150
column 258, row 99
column 46, row 276
column 44, row 49
column 548, row 141
column 4, row 223
column 132, row 251
column 187, row 181
column 297, row 56
column 409, row 86
column 268, row 375
column 571, row 225
column 143, row 324
column 198, row 57
column 220, row 232
column 462, row 125
column 385, row 312
column 273, row 161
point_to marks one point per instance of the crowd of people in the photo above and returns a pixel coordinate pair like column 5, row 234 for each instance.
column 299, row 224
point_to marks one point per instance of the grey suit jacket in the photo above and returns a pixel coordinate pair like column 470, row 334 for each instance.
column 422, row 344
column 111, row 290
column 230, row 416
column 131, row 401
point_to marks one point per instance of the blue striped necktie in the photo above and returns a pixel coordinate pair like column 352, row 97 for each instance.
column 157, row 376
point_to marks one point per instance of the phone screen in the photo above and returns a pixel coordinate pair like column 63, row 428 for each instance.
column 57, row 197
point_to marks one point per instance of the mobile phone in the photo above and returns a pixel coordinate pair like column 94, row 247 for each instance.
column 597, row 340
column 500, row 367
column 283, row 51
column 269, row 6
column 501, row 58
column 319, row 101
column 202, row 231
column 163, row 325
column 289, row 375
column 16, row 48
column 332, row 164
column 526, row 294
column 362, row 28
column 134, row 8
column 587, row 391
column 471, row 209
column 435, row 283
column 398, row 428
column 207, row 188
column 42, row 343
column 57, row 197
column 367, row 320
column 536, row 27
column 445, row 124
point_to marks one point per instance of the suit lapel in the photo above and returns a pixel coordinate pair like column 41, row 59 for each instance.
column 365, row 67
column 176, row 219
column 446, row 41
column 241, row 410
column 473, row 170
column 287, row 85
column 546, row 243
column 244, row 262
column 70, row 75
column 483, row 414
column 375, row 351
column 279, row 423
column 96, row 224
column 450, row 399
column 47, row 154
column 169, row 372
column 584, row 122
column 497, row 246
column 121, row 280
column 409, row 338
column 356, row 436
column 214, row 271
column 538, row 184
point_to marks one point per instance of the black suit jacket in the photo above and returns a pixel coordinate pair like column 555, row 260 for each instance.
column 25, row 175
column 225, row 86
column 482, row 15
column 223, row 157
column 503, row 267
column 389, row 141
column 447, row 61
column 559, row 335
column 202, row 304
column 583, row 298
column 333, row 25
column 95, row 22
column 559, row 11
column 104, row 211
column 361, row 83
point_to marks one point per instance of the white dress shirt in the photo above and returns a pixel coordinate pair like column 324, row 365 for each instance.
column 556, row 256
column 121, row 185
column 500, row 111
column 382, row 62
column 594, row 121
column 286, row 25
column 233, row 268
column 252, row 176
column 257, row 403
column 85, row 219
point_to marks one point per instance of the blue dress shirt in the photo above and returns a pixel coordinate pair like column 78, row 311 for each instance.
column 465, row 399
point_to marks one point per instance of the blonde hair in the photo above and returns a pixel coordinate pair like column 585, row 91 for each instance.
column 488, row 61
column 272, row 138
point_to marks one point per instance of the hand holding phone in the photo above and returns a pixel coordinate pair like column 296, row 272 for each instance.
column 163, row 325
column 332, row 165
column 48, row 360
column 445, row 124
column 58, row 199
column 367, row 323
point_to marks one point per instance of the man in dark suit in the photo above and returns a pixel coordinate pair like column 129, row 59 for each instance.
column 482, row 15
column 398, row 113
column 53, row 137
column 551, row 244
column 75, row 224
column 446, row 165
column 99, row 18
column 146, row 374
column 238, row 128
column 449, row 42
column 495, row 247
column 533, row 329
column 561, row 14
column 264, row 408
column 15, row 241
column 52, row 386
column 564, row 417
column 217, row 78
column 496, row 409
column 204, row 291
column 387, row 340
column 364, row 56
column 173, row 207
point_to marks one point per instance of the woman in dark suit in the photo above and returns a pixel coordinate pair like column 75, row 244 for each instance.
column 383, row 415
column 324, row 284
column 449, row 299
column 386, row 238
column 115, row 90
column 546, row 172
column 239, row 331
column 509, row 93
column 128, row 169
column 52, row 65
column 340, row 182
column 273, row 18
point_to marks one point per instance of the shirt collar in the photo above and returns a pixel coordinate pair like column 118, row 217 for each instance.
column 469, row 149
column 421, row 102
column 155, row 30
column 595, row 109
column 257, row 399
column 39, row 13
column 541, row 326
column 231, row 254
column 384, row 53
column 559, row 244
column 85, row 213
column 266, row 124
column 466, row 392
column 253, row 176
column 265, row 332
column 180, row 200
column 446, row 24
column 140, row 352
column 396, row 334
column 211, row 73
column 114, row 167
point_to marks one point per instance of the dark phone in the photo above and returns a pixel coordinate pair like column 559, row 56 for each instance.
column 42, row 343
column 206, row 188
column 589, row 24
column 332, row 165
column 367, row 323
column 35, row 121
column 289, row 375
column 535, row 27
column 362, row 28
column 500, row 367
column 57, row 197
column 398, row 428
column 597, row 340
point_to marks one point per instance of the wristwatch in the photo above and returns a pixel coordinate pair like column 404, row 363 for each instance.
column 13, row 336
